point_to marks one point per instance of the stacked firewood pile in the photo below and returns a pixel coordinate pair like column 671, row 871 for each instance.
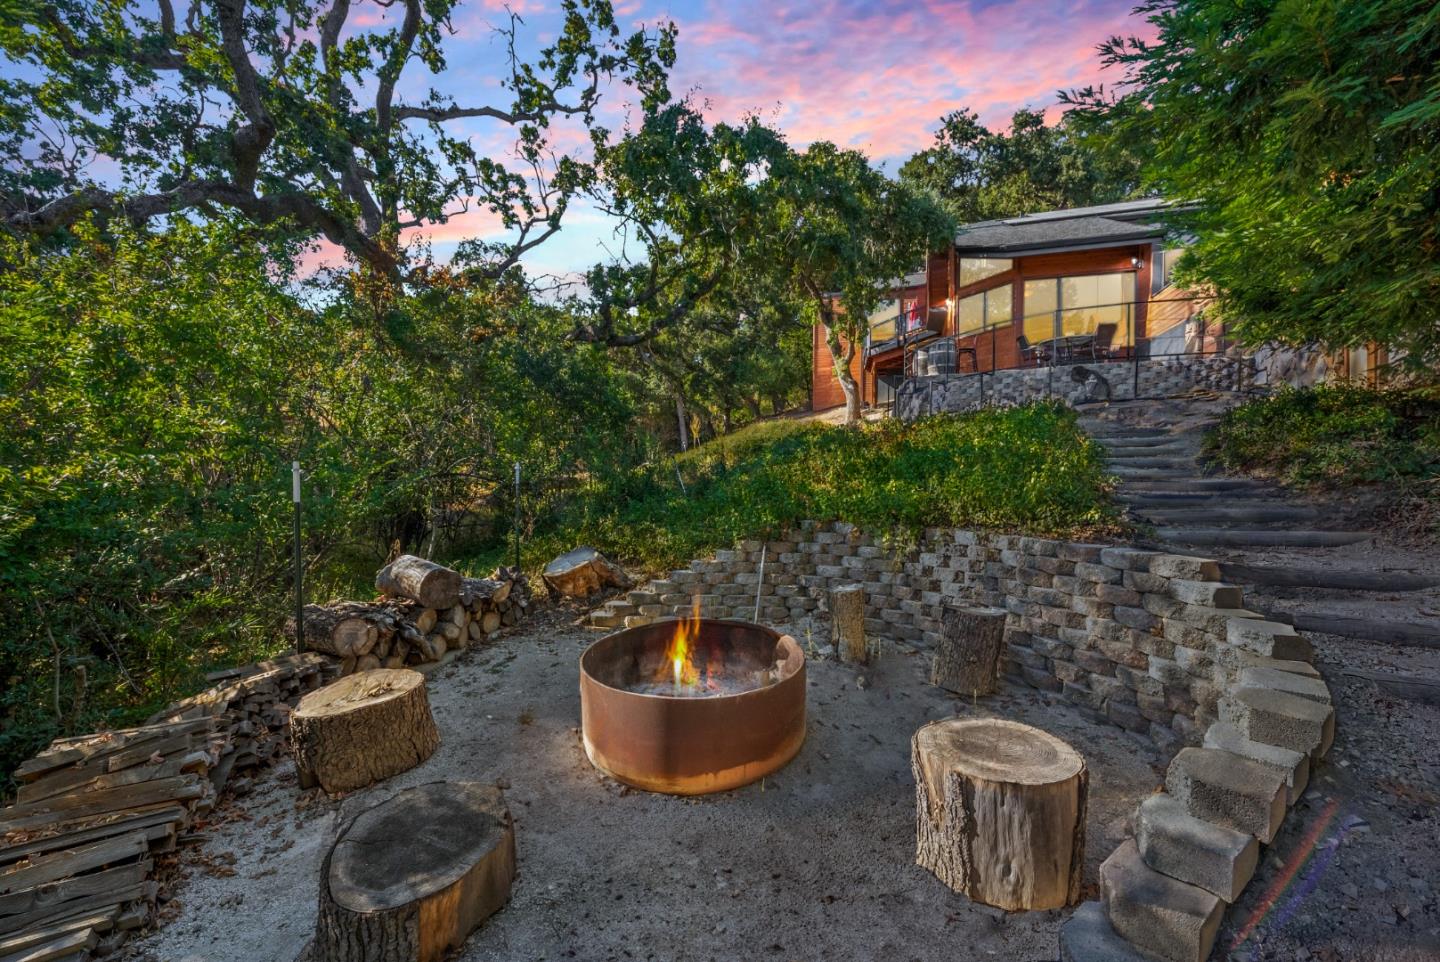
column 77, row 847
column 426, row 610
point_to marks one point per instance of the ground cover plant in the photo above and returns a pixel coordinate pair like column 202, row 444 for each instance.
column 1340, row 436
column 1024, row 469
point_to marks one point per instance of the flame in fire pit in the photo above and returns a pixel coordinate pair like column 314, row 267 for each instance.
column 680, row 656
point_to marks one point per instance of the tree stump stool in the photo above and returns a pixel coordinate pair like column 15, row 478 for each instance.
column 847, row 623
column 362, row 729
column 967, row 659
column 410, row 879
column 1000, row 812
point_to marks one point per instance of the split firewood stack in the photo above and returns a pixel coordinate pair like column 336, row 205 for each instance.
column 91, row 811
column 426, row 610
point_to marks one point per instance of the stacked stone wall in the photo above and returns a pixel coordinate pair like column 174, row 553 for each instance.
column 1136, row 638
column 1075, row 384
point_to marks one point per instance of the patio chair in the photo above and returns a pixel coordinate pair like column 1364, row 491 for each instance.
column 1104, row 337
column 1029, row 355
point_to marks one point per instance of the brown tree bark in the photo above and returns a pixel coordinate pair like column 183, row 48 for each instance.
column 410, row 879
column 967, row 659
column 362, row 729
column 1000, row 812
column 434, row 586
column 847, row 623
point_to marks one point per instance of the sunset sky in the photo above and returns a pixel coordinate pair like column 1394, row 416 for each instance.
column 875, row 76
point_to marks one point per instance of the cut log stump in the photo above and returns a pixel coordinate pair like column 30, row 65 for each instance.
column 362, row 729
column 434, row 586
column 847, row 623
column 967, row 659
column 1000, row 812
column 410, row 879
column 582, row 572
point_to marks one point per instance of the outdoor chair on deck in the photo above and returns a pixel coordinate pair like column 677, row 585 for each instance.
column 1104, row 337
column 1029, row 355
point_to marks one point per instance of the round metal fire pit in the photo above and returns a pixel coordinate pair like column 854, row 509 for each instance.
column 691, row 745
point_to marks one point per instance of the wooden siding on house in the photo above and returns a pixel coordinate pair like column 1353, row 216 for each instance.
column 825, row 389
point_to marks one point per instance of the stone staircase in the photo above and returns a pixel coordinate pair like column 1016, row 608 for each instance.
column 1275, row 542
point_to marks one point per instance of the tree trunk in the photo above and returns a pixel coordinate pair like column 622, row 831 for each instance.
column 682, row 423
column 410, row 879
column 841, row 355
column 1000, row 812
column 847, row 623
column 349, row 629
column 967, row 659
column 434, row 586
column 582, row 571
column 362, row 729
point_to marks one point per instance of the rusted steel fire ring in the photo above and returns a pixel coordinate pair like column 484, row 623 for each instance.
column 691, row 745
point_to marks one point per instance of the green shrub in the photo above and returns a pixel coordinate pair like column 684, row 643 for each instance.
column 1333, row 435
column 1024, row 469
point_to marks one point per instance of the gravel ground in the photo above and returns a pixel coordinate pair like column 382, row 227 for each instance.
column 815, row 864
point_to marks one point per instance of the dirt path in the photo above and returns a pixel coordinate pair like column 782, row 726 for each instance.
column 816, row 864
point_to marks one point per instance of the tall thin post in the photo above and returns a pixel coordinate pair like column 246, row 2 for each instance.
column 299, row 568
column 517, row 516
column 759, row 585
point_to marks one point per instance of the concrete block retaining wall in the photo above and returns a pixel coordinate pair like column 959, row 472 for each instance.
column 1149, row 641
column 1074, row 384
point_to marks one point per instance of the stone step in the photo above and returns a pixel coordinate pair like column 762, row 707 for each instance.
column 1271, row 639
column 602, row 619
column 1166, row 917
column 1153, row 463
column 1222, row 512
column 1292, row 766
column 1273, row 717
column 1195, row 485
column 1151, row 474
column 1421, row 634
column 640, row 597
column 1259, row 497
column 1228, row 790
column 1086, row 936
column 1175, row 843
column 617, row 607
column 1101, row 430
column 1118, row 443
column 1338, row 579
column 1261, row 537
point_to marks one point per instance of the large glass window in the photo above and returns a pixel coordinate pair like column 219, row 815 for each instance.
column 1080, row 305
column 973, row 269
column 883, row 320
column 987, row 309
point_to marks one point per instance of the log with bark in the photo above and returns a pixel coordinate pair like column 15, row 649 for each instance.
column 433, row 585
column 967, row 658
column 411, row 878
column 847, row 623
column 581, row 572
column 346, row 629
column 362, row 729
column 1000, row 812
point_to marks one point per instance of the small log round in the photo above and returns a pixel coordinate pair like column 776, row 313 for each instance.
column 362, row 729
column 582, row 571
column 490, row 622
column 967, row 658
column 434, row 586
column 847, row 623
column 1000, row 812
column 410, row 879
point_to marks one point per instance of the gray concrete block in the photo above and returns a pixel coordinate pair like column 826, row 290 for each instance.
column 1293, row 766
column 1292, row 684
column 1277, row 718
column 1268, row 638
column 1087, row 937
column 1248, row 659
column 1210, row 593
column 1183, row 566
column 1160, row 915
column 1228, row 790
column 1175, row 843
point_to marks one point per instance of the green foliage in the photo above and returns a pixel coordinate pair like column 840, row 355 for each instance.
column 1333, row 435
column 1308, row 131
column 979, row 174
column 1023, row 469
column 153, row 391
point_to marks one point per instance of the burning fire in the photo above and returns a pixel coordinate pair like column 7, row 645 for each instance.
column 680, row 655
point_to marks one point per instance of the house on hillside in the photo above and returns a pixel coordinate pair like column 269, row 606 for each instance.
column 1042, row 290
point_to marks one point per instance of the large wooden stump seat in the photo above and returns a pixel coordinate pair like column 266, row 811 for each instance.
column 967, row 657
column 410, row 879
column 1000, row 812
column 362, row 729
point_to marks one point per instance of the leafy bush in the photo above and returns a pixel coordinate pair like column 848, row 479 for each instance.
column 1023, row 469
column 1333, row 435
